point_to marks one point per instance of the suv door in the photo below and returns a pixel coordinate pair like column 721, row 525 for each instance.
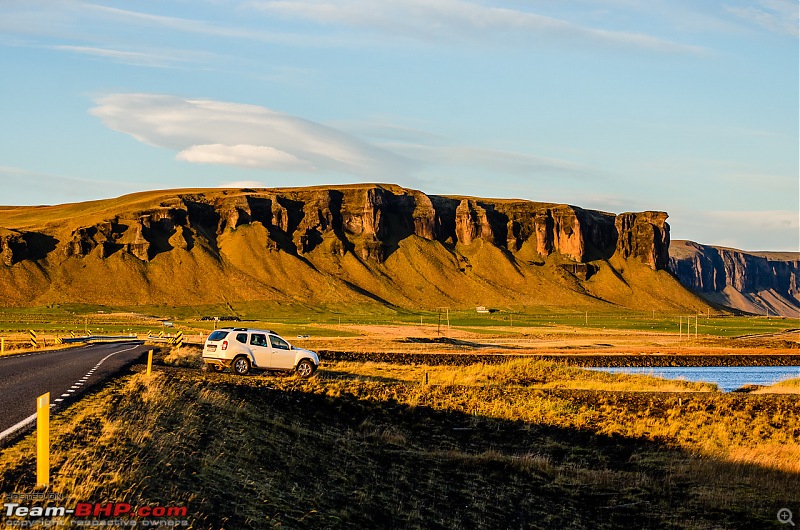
column 261, row 350
column 282, row 354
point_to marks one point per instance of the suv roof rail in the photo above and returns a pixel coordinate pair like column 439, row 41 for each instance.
column 252, row 329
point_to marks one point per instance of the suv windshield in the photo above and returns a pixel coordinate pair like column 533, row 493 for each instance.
column 278, row 343
column 218, row 335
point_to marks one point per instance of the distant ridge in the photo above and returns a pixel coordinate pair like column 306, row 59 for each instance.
column 335, row 246
column 761, row 283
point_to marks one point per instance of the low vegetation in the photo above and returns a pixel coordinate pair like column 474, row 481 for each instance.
column 528, row 373
column 788, row 386
column 373, row 446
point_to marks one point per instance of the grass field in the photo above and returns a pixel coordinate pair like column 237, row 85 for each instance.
column 296, row 320
column 526, row 444
column 368, row 445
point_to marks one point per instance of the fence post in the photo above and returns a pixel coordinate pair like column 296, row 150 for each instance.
column 43, row 440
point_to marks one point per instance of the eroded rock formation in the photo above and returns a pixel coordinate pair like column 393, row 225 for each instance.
column 369, row 221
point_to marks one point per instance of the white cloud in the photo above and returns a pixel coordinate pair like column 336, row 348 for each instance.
column 209, row 131
column 438, row 19
column 247, row 156
column 779, row 16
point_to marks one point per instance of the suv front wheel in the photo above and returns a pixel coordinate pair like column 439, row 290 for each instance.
column 240, row 366
column 305, row 368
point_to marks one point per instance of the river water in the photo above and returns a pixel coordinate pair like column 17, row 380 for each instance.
column 726, row 377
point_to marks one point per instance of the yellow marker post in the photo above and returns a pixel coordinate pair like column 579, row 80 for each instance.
column 149, row 361
column 2, row 346
column 43, row 440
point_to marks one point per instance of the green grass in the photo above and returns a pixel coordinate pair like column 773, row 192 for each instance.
column 299, row 320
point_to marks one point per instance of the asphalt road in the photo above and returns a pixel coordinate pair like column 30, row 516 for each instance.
column 66, row 374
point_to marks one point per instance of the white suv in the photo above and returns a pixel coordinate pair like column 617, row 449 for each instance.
column 241, row 349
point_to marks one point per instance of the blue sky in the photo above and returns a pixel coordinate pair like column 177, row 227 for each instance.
column 618, row 105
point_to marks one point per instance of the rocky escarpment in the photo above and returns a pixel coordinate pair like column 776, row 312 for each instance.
column 644, row 236
column 359, row 243
column 761, row 283
column 370, row 221
column 13, row 247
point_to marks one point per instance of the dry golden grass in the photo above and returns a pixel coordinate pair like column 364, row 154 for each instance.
column 520, row 372
column 186, row 356
column 255, row 452
column 789, row 386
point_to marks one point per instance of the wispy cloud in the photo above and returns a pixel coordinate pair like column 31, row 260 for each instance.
column 204, row 131
column 494, row 161
column 778, row 16
column 250, row 136
column 203, row 27
column 154, row 58
column 39, row 185
column 434, row 20
column 777, row 230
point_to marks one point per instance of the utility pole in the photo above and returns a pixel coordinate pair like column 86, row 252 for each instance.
column 680, row 327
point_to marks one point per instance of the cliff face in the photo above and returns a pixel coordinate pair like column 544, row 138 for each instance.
column 761, row 283
column 371, row 221
column 324, row 228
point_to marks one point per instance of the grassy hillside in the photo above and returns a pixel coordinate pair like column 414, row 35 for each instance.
column 205, row 247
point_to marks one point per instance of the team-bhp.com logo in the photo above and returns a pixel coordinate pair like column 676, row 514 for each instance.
column 87, row 514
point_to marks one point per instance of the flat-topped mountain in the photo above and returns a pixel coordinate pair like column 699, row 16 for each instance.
column 756, row 282
column 335, row 246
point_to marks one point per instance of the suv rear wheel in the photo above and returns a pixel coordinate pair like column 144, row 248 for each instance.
column 241, row 366
column 305, row 368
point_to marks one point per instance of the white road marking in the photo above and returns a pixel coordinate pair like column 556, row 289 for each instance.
column 30, row 419
column 17, row 426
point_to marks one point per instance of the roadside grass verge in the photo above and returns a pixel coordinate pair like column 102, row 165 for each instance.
column 257, row 452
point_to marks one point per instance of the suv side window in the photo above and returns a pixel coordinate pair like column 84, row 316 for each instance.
column 278, row 343
column 242, row 337
column 257, row 339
